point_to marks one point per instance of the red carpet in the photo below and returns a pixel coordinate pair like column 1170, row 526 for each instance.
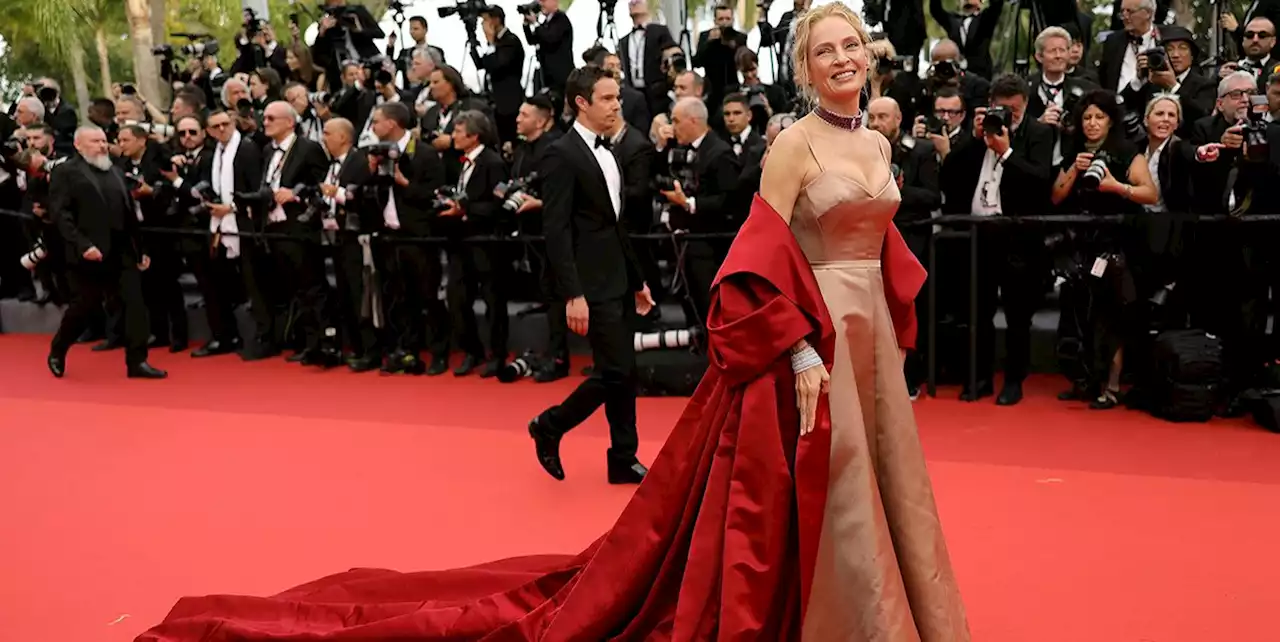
column 1066, row 525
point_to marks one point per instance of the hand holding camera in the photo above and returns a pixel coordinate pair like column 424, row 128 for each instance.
column 1083, row 160
column 676, row 195
column 1233, row 138
column 1052, row 115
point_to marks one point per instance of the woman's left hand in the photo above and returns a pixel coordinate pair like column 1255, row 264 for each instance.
column 1109, row 182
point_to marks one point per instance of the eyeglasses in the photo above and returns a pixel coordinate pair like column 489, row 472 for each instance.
column 188, row 132
column 1236, row 94
column 1260, row 35
column 944, row 113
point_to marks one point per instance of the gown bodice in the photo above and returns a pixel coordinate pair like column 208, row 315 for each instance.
column 837, row 218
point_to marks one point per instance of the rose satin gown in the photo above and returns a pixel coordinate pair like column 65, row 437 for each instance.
column 882, row 571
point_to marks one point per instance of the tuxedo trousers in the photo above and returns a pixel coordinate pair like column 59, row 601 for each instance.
column 413, row 274
column 222, row 289
column 480, row 270
column 91, row 282
column 301, row 261
column 166, row 305
column 358, row 331
column 612, row 382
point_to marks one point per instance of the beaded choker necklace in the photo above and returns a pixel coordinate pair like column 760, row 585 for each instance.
column 849, row 123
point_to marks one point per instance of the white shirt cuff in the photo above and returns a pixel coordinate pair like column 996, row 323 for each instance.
column 693, row 205
column 177, row 183
column 1005, row 156
column 341, row 196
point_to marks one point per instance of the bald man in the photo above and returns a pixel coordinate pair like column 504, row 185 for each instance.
column 948, row 70
column 972, row 27
column 291, row 161
column 348, row 167
column 96, row 215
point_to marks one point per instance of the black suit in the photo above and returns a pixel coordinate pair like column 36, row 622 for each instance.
column 300, row 261
column 1197, row 95
column 554, row 40
column 165, row 303
column 716, row 58
column 481, row 269
column 635, row 108
column 351, row 215
column 975, row 42
column 440, row 119
column 921, row 195
column 93, row 208
column 716, row 210
column 904, row 26
column 218, row 277
column 528, row 158
column 63, row 120
column 504, row 66
column 413, row 271
column 636, row 155
column 656, row 39
column 1011, row 262
column 357, row 27
column 591, row 257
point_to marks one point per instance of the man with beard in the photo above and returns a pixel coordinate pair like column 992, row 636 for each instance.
column 96, row 215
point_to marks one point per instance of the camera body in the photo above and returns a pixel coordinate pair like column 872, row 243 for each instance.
column 674, row 62
column 204, row 193
column 197, row 49
column 312, row 199
column 1092, row 177
column 375, row 69
column 469, row 10
column 514, row 192
column 529, row 9
column 905, row 64
column 387, row 153
column 1257, row 147
column 33, row 257
column 945, row 70
column 996, row 119
column 1157, row 59
column 445, row 194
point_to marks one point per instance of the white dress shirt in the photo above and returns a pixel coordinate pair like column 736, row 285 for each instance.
column 224, row 183
column 275, row 169
column 608, row 165
column 635, row 49
column 1129, row 67
column 367, row 137
column 986, row 199
column 1153, row 165
column 390, row 216
column 469, row 167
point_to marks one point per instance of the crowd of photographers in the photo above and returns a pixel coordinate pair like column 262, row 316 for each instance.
column 338, row 152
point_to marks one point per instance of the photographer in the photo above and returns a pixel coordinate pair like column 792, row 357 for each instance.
column 1217, row 188
column 310, row 125
column 1172, row 69
column 765, row 100
column 702, row 173
column 353, row 261
column 418, row 32
column 1054, row 95
column 640, row 55
column 635, row 107
column 257, row 48
column 58, row 115
column 553, row 40
column 1004, row 171
column 413, row 271
column 974, row 28
column 747, row 145
column 1258, row 41
column 452, row 98
column 294, row 163
column 473, row 209
column 503, row 65
column 894, row 76
column 141, row 160
column 715, row 55
column 1087, row 183
column 783, row 38
column 33, row 166
column 947, row 72
column 346, row 33
column 379, row 76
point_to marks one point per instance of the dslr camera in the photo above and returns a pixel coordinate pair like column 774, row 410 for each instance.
column 470, row 10
column 204, row 193
column 312, row 199
column 906, row 64
column 445, row 194
column 1257, row 147
column 528, row 9
column 680, row 162
column 674, row 62
column 1157, row 59
column 996, row 119
column 945, row 70
column 514, row 192
column 375, row 69
column 1093, row 176
column 33, row 258
column 387, row 154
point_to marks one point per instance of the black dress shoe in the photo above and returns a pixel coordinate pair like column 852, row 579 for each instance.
column 214, row 348
column 297, row 357
column 145, row 370
column 57, row 365
column 157, row 342
column 1010, row 394
column 178, row 346
column 364, row 364
column 547, row 445
column 260, row 351
column 469, row 363
column 321, row 358
column 552, row 371
column 491, row 368
column 108, row 345
column 439, row 365
column 627, row 473
column 985, row 389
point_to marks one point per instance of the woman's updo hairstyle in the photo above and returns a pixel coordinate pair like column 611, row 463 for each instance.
column 800, row 54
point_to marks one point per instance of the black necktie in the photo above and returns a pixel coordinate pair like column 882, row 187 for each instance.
column 601, row 141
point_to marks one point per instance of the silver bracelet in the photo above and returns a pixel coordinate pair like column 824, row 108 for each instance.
column 805, row 359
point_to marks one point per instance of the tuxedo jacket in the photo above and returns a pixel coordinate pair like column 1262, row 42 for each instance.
column 87, row 215
column 424, row 170
column 1211, row 179
column 504, row 65
column 434, row 121
column 358, row 213
column 588, row 249
column 1112, row 59
column 635, row 107
column 720, row 72
column 483, row 210
column 554, row 39
column 1073, row 87
column 635, row 154
column 656, row 39
column 305, row 163
column 976, row 47
column 717, row 171
column 1027, row 178
column 1197, row 95
column 921, row 193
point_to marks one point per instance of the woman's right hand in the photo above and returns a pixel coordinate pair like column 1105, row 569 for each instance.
column 1083, row 160
column 810, row 384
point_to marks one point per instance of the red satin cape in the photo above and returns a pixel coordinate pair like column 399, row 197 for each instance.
column 718, row 543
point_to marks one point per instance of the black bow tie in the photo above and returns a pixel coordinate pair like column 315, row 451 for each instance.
column 1137, row 40
column 1052, row 86
column 601, row 141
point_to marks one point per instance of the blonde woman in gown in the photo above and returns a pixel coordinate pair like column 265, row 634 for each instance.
column 882, row 573
column 767, row 516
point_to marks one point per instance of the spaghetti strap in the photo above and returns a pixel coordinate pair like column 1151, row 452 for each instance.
column 812, row 152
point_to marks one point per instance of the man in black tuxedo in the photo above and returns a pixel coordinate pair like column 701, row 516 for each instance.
column 947, row 71
column 553, row 39
column 1119, row 66
column 1004, row 174
column 747, row 145
column 703, row 198
column 58, row 115
column 418, row 32
column 640, row 55
column 289, row 163
column 596, row 273
column 783, row 38
column 971, row 29
column 98, row 219
column 1179, row 76
column 452, row 98
column 485, row 268
column 1053, row 93
column 916, row 165
column 715, row 54
column 635, row 153
column 503, row 65
column 412, row 270
column 346, row 32
column 236, row 175
column 635, row 105
column 353, row 256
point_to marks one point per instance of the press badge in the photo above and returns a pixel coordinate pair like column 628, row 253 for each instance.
column 1099, row 267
